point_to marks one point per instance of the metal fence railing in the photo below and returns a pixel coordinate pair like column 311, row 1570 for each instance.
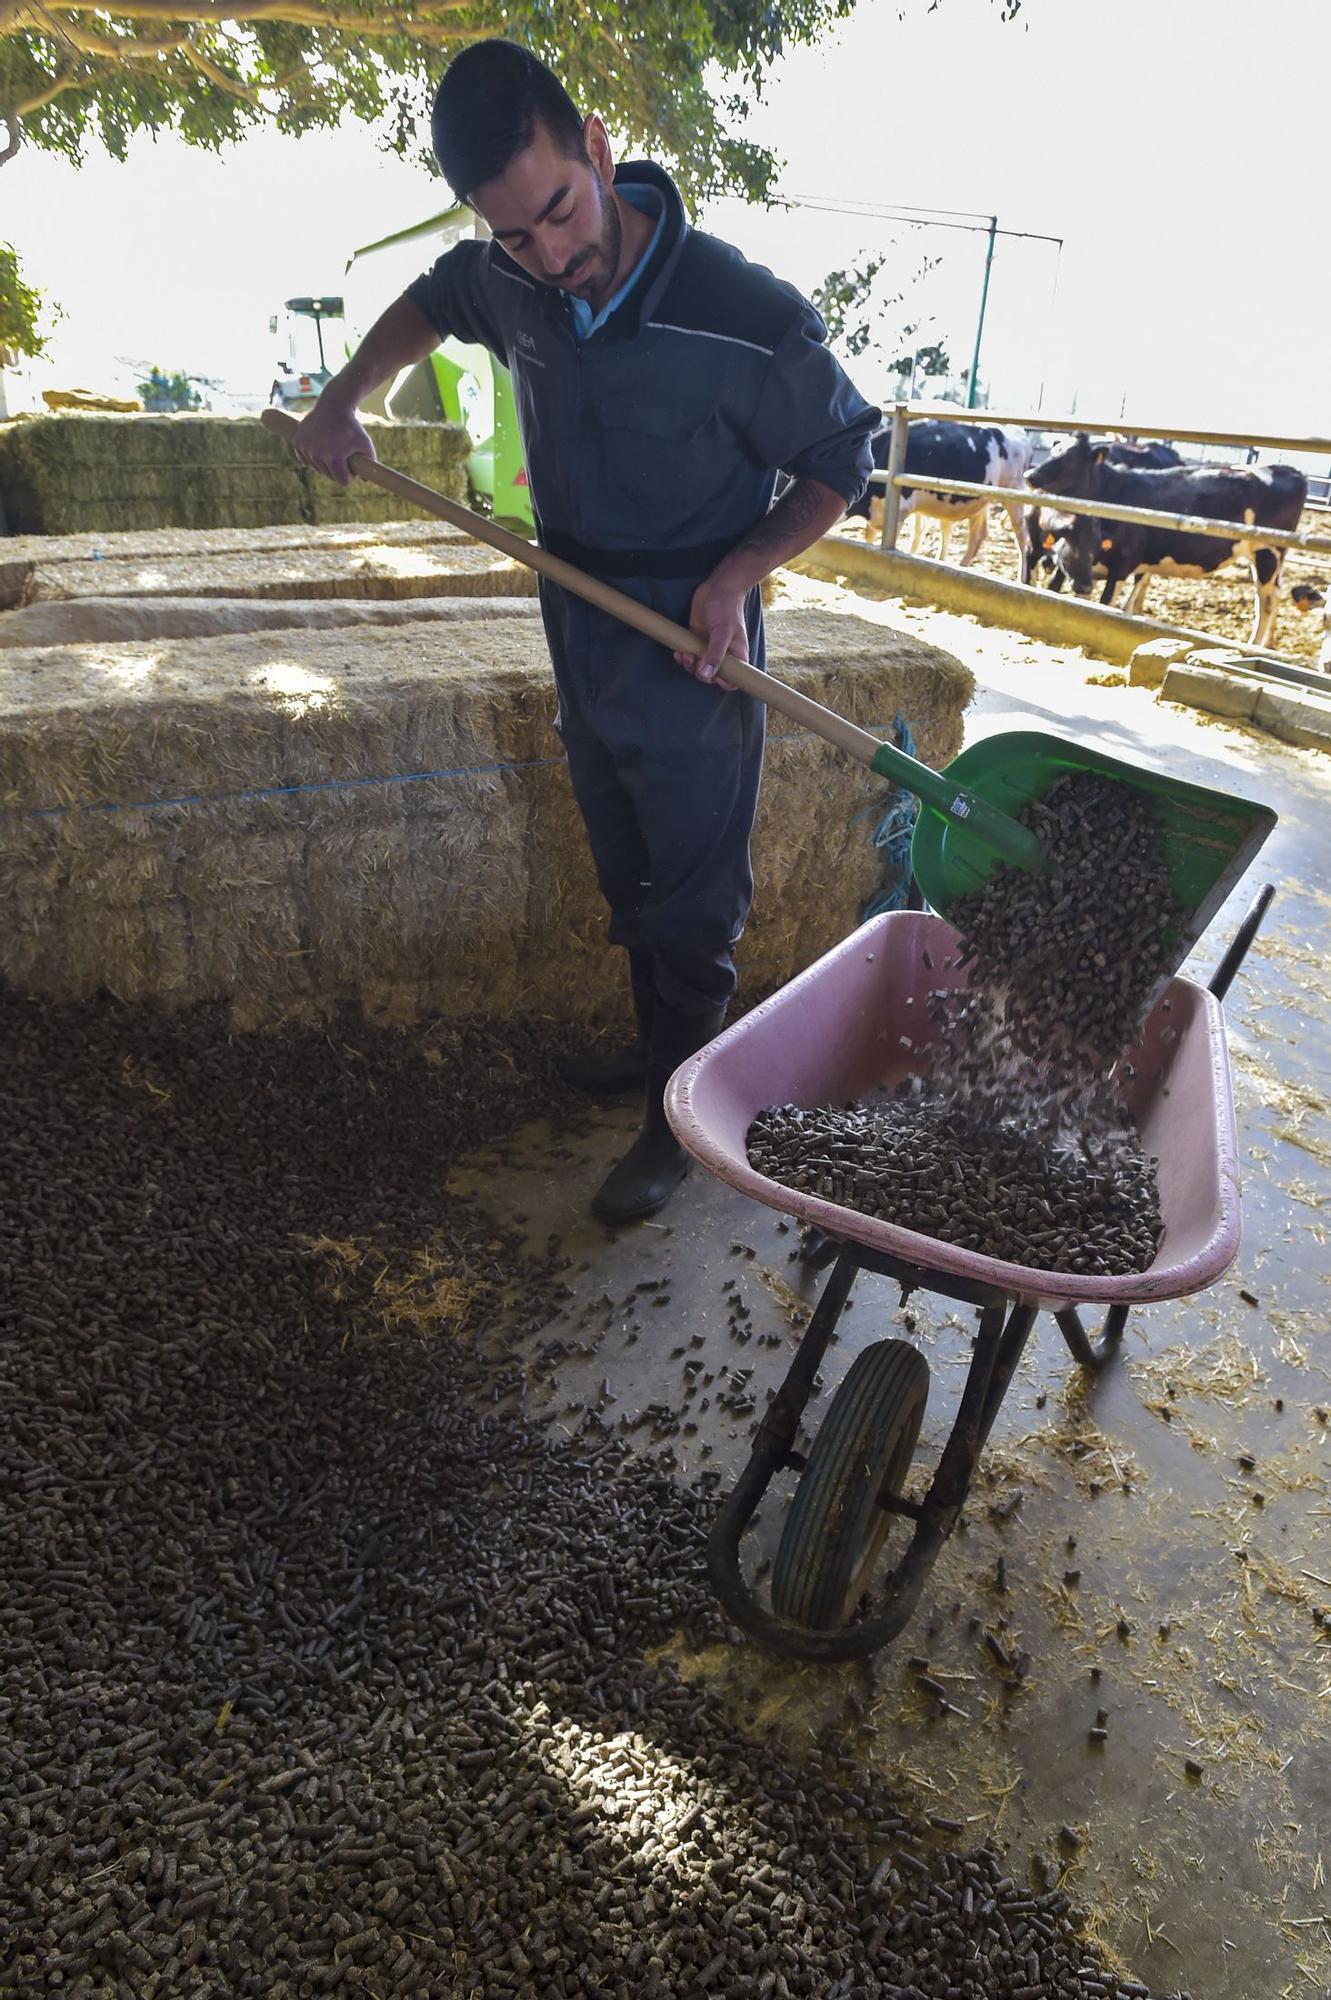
column 894, row 477
column 1123, row 427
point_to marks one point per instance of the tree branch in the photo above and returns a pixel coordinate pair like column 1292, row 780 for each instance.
column 9, row 119
column 65, row 79
column 89, row 43
column 304, row 13
column 207, row 67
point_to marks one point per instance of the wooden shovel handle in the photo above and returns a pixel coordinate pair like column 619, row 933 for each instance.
column 810, row 714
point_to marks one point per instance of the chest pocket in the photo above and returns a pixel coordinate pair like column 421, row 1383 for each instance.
column 660, row 458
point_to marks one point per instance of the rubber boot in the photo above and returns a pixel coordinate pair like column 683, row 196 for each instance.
column 622, row 1068
column 655, row 1164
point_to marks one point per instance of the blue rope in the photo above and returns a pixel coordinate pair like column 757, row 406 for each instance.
column 318, row 785
column 897, row 812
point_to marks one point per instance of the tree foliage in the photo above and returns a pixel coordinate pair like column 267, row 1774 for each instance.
column 212, row 70
column 20, row 309
column 860, row 313
column 160, row 391
column 843, row 301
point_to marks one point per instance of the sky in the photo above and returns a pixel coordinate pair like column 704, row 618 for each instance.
column 1175, row 146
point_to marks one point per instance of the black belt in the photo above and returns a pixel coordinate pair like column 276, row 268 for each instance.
column 698, row 561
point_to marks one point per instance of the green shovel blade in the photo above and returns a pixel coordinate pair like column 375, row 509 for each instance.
column 1210, row 838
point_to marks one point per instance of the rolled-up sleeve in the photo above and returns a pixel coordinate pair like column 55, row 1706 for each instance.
column 455, row 297
column 810, row 420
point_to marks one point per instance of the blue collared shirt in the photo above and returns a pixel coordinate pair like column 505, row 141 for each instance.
column 649, row 202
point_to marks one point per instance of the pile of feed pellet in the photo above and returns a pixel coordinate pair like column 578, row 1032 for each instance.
column 323, row 1668
column 926, row 1165
column 1012, row 1137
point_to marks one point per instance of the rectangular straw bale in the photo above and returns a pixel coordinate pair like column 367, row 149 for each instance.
column 227, row 851
column 252, row 945
column 433, row 453
column 22, row 555
column 152, row 544
column 115, row 620
column 135, row 953
column 121, row 874
column 78, row 472
column 385, row 815
column 445, row 569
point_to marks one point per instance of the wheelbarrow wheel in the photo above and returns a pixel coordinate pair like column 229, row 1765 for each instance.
column 835, row 1529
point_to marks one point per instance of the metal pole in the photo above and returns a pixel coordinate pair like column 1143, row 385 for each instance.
column 896, row 463
column 972, row 389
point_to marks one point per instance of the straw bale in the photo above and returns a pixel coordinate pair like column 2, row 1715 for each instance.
column 119, row 618
column 76, row 471
column 454, row 569
column 251, row 946
column 290, row 820
column 20, row 553
column 134, row 953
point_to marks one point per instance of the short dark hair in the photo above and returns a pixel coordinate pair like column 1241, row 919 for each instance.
column 486, row 111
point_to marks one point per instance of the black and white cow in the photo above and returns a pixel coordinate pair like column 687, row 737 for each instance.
column 994, row 455
column 1266, row 496
column 1050, row 532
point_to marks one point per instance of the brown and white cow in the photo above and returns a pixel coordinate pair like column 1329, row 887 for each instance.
column 1265, row 496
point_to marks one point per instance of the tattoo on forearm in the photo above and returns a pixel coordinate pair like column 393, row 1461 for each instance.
column 789, row 521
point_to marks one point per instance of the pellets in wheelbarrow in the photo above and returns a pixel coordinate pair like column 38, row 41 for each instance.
column 924, row 1164
column 322, row 1667
column 1012, row 1137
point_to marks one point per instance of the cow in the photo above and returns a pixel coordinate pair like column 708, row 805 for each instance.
column 994, row 455
column 1306, row 597
column 1050, row 533
column 1267, row 496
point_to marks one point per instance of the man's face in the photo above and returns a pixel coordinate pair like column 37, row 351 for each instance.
column 556, row 216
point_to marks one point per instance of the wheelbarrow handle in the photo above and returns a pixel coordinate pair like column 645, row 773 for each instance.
column 1015, row 843
column 1223, row 977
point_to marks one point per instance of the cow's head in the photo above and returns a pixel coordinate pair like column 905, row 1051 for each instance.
column 1073, row 470
column 1079, row 549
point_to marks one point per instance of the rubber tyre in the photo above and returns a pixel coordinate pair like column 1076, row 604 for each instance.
column 835, row 1529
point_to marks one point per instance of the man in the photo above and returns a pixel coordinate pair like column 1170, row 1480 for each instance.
column 661, row 384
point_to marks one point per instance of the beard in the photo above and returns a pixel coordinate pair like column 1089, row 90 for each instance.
column 593, row 269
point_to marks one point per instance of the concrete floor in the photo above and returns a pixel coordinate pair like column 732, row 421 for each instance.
column 1202, row 1582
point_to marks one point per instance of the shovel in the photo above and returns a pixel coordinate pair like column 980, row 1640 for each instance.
column 967, row 826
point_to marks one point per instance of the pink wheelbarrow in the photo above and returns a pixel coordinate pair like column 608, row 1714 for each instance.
column 835, row 1034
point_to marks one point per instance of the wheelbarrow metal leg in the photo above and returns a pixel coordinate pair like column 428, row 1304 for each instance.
column 773, row 1443
column 1093, row 1355
column 999, row 1345
column 1001, row 1338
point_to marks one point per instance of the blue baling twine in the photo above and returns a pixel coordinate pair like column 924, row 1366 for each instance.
column 897, row 812
column 259, row 792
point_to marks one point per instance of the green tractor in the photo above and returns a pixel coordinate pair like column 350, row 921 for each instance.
column 461, row 383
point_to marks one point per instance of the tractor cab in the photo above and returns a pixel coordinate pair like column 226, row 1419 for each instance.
column 302, row 361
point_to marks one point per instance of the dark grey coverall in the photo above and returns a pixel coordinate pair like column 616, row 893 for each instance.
column 652, row 448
